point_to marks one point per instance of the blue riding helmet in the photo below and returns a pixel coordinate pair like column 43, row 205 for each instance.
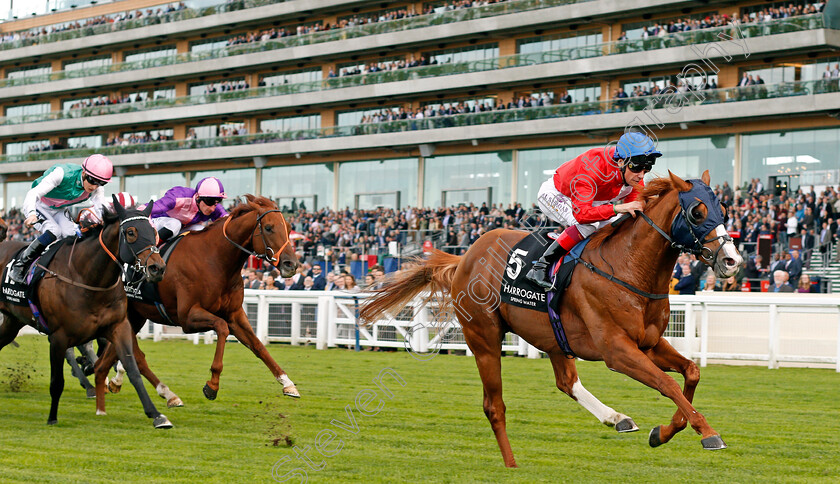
column 636, row 144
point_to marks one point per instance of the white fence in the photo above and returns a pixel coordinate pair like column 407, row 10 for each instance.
column 795, row 329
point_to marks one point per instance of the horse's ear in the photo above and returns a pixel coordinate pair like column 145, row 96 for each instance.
column 118, row 207
column 680, row 184
column 706, row 178
column 250, row 197
column 148, row 210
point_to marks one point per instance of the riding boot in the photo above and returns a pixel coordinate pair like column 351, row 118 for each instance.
column 165, row 234
column 539, row 271
column 21, row 265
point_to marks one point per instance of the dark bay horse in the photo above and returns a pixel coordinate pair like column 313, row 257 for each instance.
column 602, row 320
column 203, row 290
column 83, row 297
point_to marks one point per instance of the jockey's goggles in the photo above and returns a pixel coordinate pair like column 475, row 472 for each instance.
column 209, row 201
column 640, row 163
column 95, row 181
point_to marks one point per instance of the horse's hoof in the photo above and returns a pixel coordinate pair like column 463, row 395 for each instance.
column 114, row 388
column 100, row 412
column 91, row 392
column 52, row 422
column 653, row 438
column 174, row 402
column 209, row 393
column 626, row 425
column 291, row 391
column 713, row 443
column 161, row 422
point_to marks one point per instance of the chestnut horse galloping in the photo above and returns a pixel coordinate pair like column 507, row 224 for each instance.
column 203, row 291
column 602, row 319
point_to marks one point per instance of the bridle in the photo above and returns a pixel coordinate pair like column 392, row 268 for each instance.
column 138, row 264
column 268, row 254
column 695, row 246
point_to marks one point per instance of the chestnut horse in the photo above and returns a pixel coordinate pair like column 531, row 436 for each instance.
column 76, row 306
column 203, row 290
column 603, row 320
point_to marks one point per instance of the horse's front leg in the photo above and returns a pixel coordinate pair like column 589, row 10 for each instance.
column 198, row 320
column 623, row 355
column 58, row 349
column 667, row 358
column 241, row 328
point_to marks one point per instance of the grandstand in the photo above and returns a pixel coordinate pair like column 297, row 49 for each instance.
column 347, row 103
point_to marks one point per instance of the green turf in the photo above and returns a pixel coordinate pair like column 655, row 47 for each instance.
column 780, row 425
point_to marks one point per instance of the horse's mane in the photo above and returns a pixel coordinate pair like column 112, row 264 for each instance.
column 108, row 217
column 651, row 195
column 250, row 204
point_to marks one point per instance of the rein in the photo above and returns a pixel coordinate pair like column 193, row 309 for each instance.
column 699, row 250
column 266, row 257
column 138, row 264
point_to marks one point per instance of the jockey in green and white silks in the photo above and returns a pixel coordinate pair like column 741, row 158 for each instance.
column 59, row 187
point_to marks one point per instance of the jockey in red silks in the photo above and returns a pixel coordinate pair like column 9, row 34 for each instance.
column 183, row 207
column 587, row 192
column 46, row 202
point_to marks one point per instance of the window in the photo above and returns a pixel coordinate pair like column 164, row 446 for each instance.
column 29, row 71
column 357, row 67
column 151, row 53
column 293, row 77
column 280, row 125
column 217, row 86
column 27, row 110
column 464, row 54
column 235, row 182
column 90, row 63
column 376, row 181
column 351, row 118
column 84, row 142
column 23, row 147
column 145, row 187
column 568, row 40
column 217, row 131
column 208, row 45
column 311, row 184
column 471, row 178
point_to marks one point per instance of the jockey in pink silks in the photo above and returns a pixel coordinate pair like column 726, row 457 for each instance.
column 182, row 208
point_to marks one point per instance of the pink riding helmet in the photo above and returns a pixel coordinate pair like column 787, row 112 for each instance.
column 210, row 187
column 99, row 167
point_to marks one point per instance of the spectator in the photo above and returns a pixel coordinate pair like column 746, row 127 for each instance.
column 793, row 267
column 780, row 284
column 687, row 283
column 805, row 284
column 731, row 284
column 710, row 283
column 350, row 284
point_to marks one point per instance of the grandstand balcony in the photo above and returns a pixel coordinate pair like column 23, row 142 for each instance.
column 608, row 59
column 762, row 102
column 492, row 20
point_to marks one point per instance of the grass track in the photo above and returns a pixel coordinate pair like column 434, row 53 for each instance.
column 780, row 425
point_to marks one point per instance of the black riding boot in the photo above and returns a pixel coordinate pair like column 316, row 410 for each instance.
column 19, row 268
column 165, row 234
column 539, row 271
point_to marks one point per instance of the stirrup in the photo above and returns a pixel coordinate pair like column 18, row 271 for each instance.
column 540, row 278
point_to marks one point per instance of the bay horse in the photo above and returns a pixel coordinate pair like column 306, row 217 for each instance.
column 603, row 320
column 82, row 296
column 203, row 290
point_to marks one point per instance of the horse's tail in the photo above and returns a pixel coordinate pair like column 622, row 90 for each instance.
column 435, row 273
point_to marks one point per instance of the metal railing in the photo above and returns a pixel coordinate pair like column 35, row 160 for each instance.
column 407, row 74
column 107, row 28
column 706, row 327
column 689, row 98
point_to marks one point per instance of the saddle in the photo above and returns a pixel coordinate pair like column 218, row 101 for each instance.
column 12, row 292
column 517, row 290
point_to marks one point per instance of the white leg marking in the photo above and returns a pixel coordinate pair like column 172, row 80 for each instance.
column 118, row 379
column 603, row 413
column 285, row 381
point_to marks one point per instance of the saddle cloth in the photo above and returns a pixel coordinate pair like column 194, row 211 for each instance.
column 12, row 292
column 518, row 291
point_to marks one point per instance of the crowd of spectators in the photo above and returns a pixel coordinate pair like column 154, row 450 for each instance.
column 312, row 277
column 114, row 19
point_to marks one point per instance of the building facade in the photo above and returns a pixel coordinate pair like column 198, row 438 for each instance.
column 342, row 103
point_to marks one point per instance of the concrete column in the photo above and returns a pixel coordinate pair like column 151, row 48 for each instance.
column 736, row 169
column 259, row 164
column 336, row 181
column 121, row 171
column 514, row 176
column 421, row 180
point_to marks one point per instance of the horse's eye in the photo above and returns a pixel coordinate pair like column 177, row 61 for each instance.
column 269, row 228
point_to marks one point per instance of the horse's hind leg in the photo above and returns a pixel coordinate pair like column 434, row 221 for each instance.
column 9, row 329
column 241, row 328
column 621, row 354
column 70, row 356
column 569, row 383
column 668, row 359
column 487, row 348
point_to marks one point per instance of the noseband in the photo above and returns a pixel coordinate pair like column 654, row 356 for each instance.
column 268, row 254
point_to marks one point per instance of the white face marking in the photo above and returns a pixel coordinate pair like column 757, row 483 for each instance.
column 729, row 249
